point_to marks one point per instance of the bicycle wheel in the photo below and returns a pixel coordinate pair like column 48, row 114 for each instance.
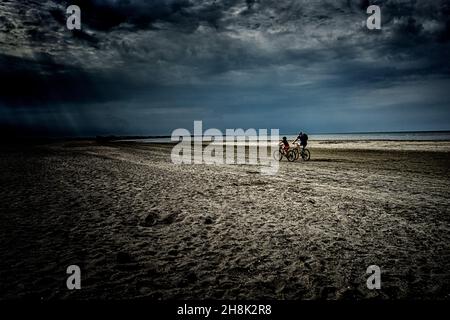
column 291, row 156
column 306, row 155
column 297, row 154
column 278, row 155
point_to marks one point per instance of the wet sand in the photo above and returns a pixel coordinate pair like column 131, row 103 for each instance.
column 141, row 227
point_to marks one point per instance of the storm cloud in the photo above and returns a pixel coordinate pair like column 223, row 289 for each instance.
column 148, row 67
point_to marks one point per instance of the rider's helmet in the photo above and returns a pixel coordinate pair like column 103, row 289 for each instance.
column 284, row 138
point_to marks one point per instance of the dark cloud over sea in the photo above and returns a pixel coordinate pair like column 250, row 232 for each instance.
column 148, row 67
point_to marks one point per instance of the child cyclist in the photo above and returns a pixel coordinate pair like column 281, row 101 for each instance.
column 285, row 145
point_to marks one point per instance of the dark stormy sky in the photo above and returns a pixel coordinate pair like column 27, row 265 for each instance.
column 148, row 67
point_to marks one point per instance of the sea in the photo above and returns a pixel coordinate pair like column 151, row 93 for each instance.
column 360, row 136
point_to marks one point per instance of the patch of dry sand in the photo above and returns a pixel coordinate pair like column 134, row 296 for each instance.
column 142, row 227
column 384, row 145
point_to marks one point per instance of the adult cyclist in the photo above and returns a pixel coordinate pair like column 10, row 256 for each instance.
column 303, row 138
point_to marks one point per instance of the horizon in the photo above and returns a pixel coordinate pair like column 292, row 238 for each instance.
column 144, row 136
column 324, row 133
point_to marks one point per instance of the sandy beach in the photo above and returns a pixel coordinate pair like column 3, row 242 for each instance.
column 140, row 226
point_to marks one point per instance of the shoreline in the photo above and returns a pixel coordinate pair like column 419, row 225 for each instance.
column 374, row 145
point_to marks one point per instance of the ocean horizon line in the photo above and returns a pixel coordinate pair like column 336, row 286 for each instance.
column 292, row 134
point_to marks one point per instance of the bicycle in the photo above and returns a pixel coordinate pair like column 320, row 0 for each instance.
column 304, row 153
column 281, row 152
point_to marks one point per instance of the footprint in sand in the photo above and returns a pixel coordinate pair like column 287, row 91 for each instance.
column 209, row 219
column 169, row 219
column 150, row 220
column 155, row 217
